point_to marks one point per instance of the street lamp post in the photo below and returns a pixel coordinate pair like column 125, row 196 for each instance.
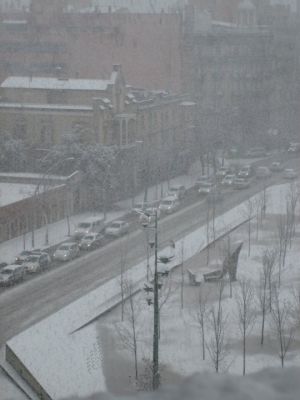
column 156, row 310
column 155, row 376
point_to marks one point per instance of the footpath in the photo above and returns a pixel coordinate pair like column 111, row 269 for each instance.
column 58, row 231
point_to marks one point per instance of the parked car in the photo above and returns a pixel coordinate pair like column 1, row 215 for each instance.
column 221, row 173
column 294, row 148
column 228, row 180
column 2, row 265
column 140, row 206
column 20, row 258
column 91, row 241
column 177, row 190
column 241, row 183
column 91, row 224
column 263, row 172
column 206, row 187
column 149, row 216
column 66, row 251
column 276, row 166
column 289, row 173
column 246, row 171
column 117, row 228
column 36, row 262
column 11, row 274
column 200, row 180
column 169, row 204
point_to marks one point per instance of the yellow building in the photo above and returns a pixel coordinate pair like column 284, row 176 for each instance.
column 43, row 110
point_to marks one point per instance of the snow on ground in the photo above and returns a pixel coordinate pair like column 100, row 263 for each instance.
column 12, row 192
column 56, row 352
column 8, row 389
column 58, row 231
column 180, row 337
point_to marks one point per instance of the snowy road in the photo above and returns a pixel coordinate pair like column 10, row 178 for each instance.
column 32, row 301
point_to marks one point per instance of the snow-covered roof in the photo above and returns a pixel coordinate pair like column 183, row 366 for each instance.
column 246, row 5
column 187, row 103
column 54, row 107
column 31, row 175
column 131, row 6
column 22, row 82
column 13, row 192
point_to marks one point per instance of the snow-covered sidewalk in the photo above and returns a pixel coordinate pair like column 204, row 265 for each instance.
column 66, row 348
column 58, row 231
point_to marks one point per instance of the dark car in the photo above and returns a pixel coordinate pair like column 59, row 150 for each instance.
column 241, row 183
column 36, row 262
column 276, row 166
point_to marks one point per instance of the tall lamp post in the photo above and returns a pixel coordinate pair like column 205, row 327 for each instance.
column 156, row 310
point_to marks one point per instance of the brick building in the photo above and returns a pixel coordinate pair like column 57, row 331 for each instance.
column 29, row 201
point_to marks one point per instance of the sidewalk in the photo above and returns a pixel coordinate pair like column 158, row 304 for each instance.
column 58, row 231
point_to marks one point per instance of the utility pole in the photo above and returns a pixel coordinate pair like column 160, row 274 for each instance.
column 155, row 381
column 155, row 302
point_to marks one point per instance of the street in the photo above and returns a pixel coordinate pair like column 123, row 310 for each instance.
column 26, row 304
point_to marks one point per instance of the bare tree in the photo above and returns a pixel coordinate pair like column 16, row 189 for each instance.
column 249, row 213
column 123, row 282
column 208, row 234
column 282, row 326
column 282, row 242
column 296, row 308
column 128, row 329
column 217, row 345
column 224, row 251
column 201, row 316
column 266, row 286
column 263, row 200
column 292, row 199
column 269, row 259
column 182, row 276
column 246, row 313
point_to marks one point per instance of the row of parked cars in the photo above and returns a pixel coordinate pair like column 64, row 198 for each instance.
column 149, row 210
column 89, row 234
column 241, row 178
column 27, row 262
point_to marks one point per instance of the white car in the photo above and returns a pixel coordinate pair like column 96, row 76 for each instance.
column 177, row 190
column 66, row 251
column 148, row 217
column 221, row 173
column 206, row 187
column 36, row 262
column 91, row 241
column 289, row 173
column 11, row 274
column 117, row 228
column 228, row 180
column 169, row 204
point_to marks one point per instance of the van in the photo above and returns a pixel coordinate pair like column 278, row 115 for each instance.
column 12, row 274
column 91, row 224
